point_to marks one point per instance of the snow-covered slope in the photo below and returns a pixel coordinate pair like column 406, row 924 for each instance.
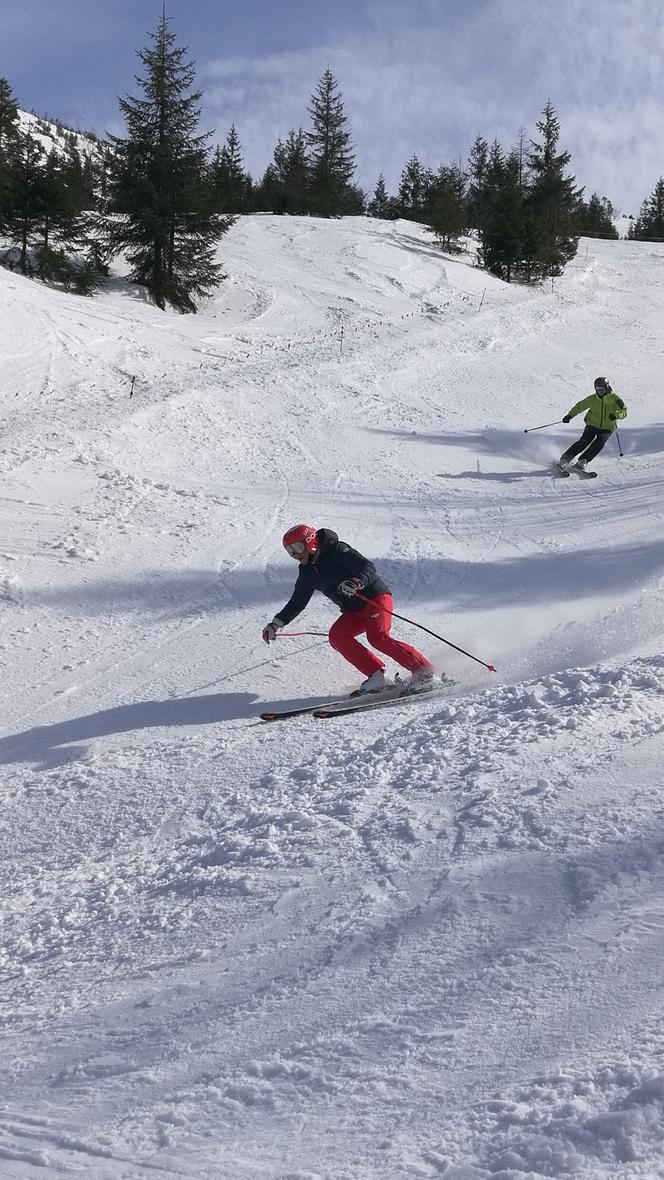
column 424, row 942
column 54, row 136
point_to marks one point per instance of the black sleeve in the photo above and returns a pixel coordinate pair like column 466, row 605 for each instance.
column 300, row 598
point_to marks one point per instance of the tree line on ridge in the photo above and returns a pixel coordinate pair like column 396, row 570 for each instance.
column 163, row 198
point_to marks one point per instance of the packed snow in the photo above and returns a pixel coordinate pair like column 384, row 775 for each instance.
column 420, row 942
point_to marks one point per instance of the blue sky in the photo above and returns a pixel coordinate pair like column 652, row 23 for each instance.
column 423, row 76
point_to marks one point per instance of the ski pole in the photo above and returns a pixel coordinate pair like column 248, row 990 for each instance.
column 620, row 450
column 489, row 667
column 531, row 428
column 290, row 634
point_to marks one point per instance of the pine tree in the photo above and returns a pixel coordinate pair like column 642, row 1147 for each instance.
column 413, row 187
column 9, row 134
column 445, row 209
column 42, row 202
column 267, row 194
column 28, row 197
column 285, row 185
column 553, row 202
column 506, row 223
column 596, row 218
column 355, row 201
column 492, row 178
column 294, row 173
column 231, row 185
column 67, row 254
column 649, row 225
column 57, row 207
column 159, row 183
column 478, row 164
column 78, row 173
column 331, row 160
column 381, row 204
column 8, row 114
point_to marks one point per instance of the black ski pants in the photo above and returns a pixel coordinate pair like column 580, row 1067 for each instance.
column 591, row 442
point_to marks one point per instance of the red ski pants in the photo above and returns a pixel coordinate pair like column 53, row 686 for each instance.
column 374, row 621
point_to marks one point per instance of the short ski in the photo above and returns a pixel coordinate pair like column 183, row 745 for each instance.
column 566, row 470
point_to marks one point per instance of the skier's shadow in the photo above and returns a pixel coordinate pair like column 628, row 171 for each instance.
column 57, row 745
column 495, row 476
column 54, row 745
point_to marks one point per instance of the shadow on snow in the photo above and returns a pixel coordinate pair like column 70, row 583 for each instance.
column 56, row 745
column 531, row 579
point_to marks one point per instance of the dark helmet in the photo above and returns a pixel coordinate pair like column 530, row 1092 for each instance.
column 602, row 385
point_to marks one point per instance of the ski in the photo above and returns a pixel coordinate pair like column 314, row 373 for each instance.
column 302, row 710
column 298, row 711
column 363, row 706
column 390, row 695
column 565, row 471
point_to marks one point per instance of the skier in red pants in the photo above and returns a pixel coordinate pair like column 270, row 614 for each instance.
column 341, row 573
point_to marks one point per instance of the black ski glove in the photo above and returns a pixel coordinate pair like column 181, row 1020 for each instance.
column 613, row 417
column 567, row 418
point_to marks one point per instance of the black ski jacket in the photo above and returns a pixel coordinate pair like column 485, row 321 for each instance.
column 335, row 563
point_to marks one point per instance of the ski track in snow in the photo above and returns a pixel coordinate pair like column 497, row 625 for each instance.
column 422, row 942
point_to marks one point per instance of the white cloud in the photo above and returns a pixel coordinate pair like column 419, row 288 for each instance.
column 429, row 77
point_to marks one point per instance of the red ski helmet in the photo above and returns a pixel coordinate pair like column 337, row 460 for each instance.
column 300, row 539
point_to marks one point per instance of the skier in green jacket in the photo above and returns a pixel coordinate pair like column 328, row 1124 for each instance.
column 604, row 408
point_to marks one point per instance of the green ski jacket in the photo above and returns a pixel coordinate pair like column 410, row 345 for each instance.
column 599, row 409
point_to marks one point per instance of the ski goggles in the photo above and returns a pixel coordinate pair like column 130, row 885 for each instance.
column 296, row 549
